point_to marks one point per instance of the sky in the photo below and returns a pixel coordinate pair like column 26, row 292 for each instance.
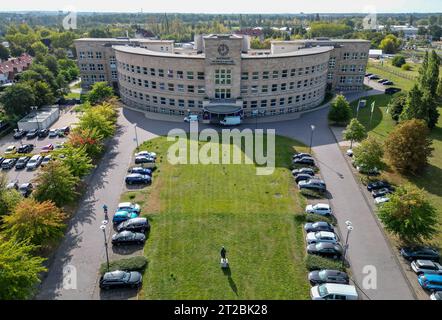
column 227, row 6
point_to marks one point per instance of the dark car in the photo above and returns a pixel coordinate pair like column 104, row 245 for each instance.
column 378, row 185
column 368, row 74
column 305, row 161
column 138, row 179
column 328, row 276
column 62, row 132
column 8, row 164
column 32, row 134
column 128, row 237
column 326, row 249
column 420, row 253
column 26, row 148
column 20, row 134
column 308, row 171
column 313, row 184
column 143, row 159
column 301, row 155
column 374, row 77
column 318, row 226
column 121, row 279
column 2, row 159
column 140, row 225
column 387, row 83
column 140, row 170
column 43, row 133
column 22, row 162
column 382, row 192
column 302, row 177
column 392, row 90
column 382, row 80
column 26, row 189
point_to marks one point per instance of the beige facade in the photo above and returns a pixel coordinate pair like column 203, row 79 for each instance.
column 222, row 76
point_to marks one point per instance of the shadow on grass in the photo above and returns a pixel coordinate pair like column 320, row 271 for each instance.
column 430, row 180
column 228, row 273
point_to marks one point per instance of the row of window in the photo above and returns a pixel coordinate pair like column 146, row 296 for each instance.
column 351, row 79
column 283, row 74
column 162, row 73
column 200, row 89
column 90, row 55
column 255, row 89
column 355, row 55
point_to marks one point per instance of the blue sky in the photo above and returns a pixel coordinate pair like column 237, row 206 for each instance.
column 228, row 6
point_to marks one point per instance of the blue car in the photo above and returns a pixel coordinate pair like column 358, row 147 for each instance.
column 431, row 282
column 122, row 216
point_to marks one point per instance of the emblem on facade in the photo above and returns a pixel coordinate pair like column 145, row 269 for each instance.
column 223, row 50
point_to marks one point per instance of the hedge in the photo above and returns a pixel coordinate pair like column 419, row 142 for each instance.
column 312, row 194
column 313, row 263
column 130, row 264
column 312, row 218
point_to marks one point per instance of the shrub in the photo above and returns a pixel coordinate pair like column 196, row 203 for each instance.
column 313, row 263
column 312, row 218
column 406, row 67
column 398, row 61
column 130, row 264
column 312, row 194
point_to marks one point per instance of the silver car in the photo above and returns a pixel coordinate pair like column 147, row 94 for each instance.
column 426, row 266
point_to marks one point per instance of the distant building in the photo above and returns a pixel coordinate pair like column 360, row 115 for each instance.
column 9, row 69
column 144, row 34
column 375, row 53
column 409, row 32
column 251, row 32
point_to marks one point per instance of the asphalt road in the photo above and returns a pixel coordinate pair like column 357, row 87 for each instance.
column 83, row 248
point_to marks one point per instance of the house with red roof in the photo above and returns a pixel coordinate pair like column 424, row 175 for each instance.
column 9, row 69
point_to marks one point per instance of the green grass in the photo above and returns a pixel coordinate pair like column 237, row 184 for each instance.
column 430, row 179
column 401, row 79
column 196, row 209
column 72, row 95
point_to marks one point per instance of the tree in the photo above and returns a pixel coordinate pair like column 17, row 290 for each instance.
column 100, row 91
column 355, row 131
column 408, row 147
column 42, row 93
column 20, row 270
column 390, row 44
column 4, row 52
column 39, row 223
column 397, row 105
column 52, row 64
column 414, row 107
column 9, row 198
column 409, row 214
column 56, row 183
column 439, row 89
column 18, row 99
column 398, row 61
column 93, row 120
column 38, row 49
column 369, row 155
column 340, row 111
column 76, row 159
column 89, row 139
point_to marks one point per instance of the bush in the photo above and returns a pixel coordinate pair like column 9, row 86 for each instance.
column 398, row 61
column 130, row 264
column 406, row 67
column 312, row 194
column 313, row 263
column 312, row 218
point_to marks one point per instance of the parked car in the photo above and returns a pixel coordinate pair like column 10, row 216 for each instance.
column 332, row 291
column 34, row 163
column 22, row 162
column 362, row 168
column 26, row 148
column 325, row 249
column 318, row 226
column 313, row 184
column 303, row 177
column 437, row 295
column 420, row 253
column 60, row 145
column 143, row 160
column 129, row 207
column 426, row 266
column 121, row 279
column 20, row 134
column 140, row 170
column 322, row 209
column 381, row 192
column 8, row 164
column 146, row 154
column 62, row 132
column 321, row 236
column 373, row 77
column 378, row 185
column 191, row 118
column 128, row 237
column 388, row 83
column 382, row 81
column 46, row 160
column 392, row 90
column 308, row 171
column 301, row 155
column 26, row 189
column 53, row 133
column 138, row 179
column 328, row 276
column 381, row 200
column 32, row 134
column 121, row 216
column 350, row 153
column 368, row 74
column 43, row 133
column 430, row 282
column 304, row 161
column 11, row 150
column 12, row 185
column 47, row 148
column 140, row 225
column 2, row 159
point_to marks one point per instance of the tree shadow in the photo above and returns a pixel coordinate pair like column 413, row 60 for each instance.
column 228, row 273
column 429, row 180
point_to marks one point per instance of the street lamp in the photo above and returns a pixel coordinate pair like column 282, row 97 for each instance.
column 136, row 136
column 103, row 228
column 349, row 230
column 312, row 127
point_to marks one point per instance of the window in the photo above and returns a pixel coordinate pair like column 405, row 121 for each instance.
column 282, row 102
column 354, row 55
column 172, row 102
column 201, row 90
column 171, row 87
column 223, row 77
column 102, row 77
column 153, row 85
column 223, row 93
column 265, row 89
column 82, row 55
column 284, row 73
column 273, row 103
column 145, row 70
column 346, row 55
column 305, row 83
column 90, row 55
column 180, row 74
column 191, row 103
column 114, row 75
column 191, row 89
column 181, row 103
column 352, row 68
column 292, row 72
column 254, row 90
column 283, row 86
column 98, row 55
column 362, row 68
column 265, row 75
column 253, row 104
column 83, row 67
column 162, row 86
column 170, row 73
column 155, row 99
column 255, row 76
column 201, row 76
column 342, row 79
column 363, row 55
column 163, row 101
column 161, row 73
column 181, row 88
column 330, row 76
column 244, row 89
column 274, row 87
column 146, row 84
column 307, row 70
column 138, row 69
column 344, row 68
column 92, row 67
column 275, row 74
column 332, row 63
column 140, row 83
column 300, row 71
column 263, row 103
column 189, row 75
column 132, row 69
column 245, row 76
column 291, row 86
column 152, row 72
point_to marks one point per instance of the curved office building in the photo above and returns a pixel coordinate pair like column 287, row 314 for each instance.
column 220, row 75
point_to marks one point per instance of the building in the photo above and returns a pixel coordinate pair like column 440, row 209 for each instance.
column 9, row 69
column 44, row 118
column 222, row 76
column 257, row 33
column 375, row 54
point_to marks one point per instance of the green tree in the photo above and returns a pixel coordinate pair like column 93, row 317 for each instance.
column 4, row 52
column 55, row 182
column 51, row 63
column 38, row 49
column 414, row 107
column 355, row 131
column 76, row 160
column 89, row 139
column 409, row 146
column 397, row 105
column 100, row 91
column 39, row 223
column 409, row 215
column 340, row 111
column 93, row 120
column 9, row 198
column 42, row 93
column 20, row 270
column 369, row 155
column 18, row 99
column 398, row 61
column 390, row 44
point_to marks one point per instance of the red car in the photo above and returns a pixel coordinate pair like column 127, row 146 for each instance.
column 48, row 148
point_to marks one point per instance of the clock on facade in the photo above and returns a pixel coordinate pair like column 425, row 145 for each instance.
column 223, row 50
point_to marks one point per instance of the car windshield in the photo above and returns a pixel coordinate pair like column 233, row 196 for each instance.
column 323, row 274
column 322, row 291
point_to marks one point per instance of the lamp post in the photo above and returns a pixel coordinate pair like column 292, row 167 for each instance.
column 36, row 116
column 312, row 127
column 349, row 230
column 103, row 228
column 136, row 135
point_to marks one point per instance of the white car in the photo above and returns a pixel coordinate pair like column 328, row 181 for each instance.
column 11, row 150
column 350, row 153
column 191, row 118
column 322, row 236
column 381, row 200
column 436, row 295
column 128, row 206
column 146, row 154
column 426, row 266
column 321, row 209
column 331, row 291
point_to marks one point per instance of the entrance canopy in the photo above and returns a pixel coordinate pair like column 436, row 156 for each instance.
column 223, row 109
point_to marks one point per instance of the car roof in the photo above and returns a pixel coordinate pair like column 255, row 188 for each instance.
column 326, row 234
column 125, row 204
column 114, row 275
column 425, row 263
column 322, row 205
column 432, row 277
column 137, row 220
column 342, row 289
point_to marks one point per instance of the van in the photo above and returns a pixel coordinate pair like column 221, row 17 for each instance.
column 191, row 118
column 330, row 291
column 231, row 121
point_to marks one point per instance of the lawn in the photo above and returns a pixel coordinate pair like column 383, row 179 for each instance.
column 431, row 178
column 196, row 209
